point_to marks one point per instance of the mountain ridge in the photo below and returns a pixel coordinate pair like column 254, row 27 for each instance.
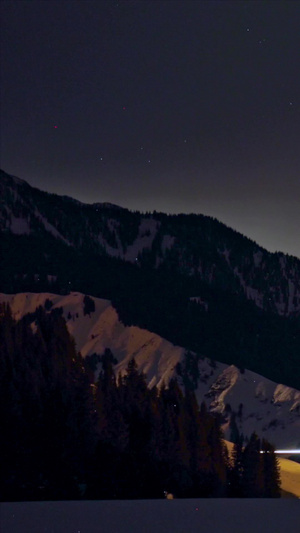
column 258, row 404
column 189, row 278
column 108, row 205
column 153, row 239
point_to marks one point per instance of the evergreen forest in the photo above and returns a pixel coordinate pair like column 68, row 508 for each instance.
column 70, row 431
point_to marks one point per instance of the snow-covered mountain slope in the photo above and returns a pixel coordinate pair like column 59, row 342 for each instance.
column 270, row 409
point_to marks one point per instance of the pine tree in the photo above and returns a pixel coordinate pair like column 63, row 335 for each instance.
column 88, row 305
column 253, row 476
column 271, row 471
column 173, row 449
column 112, row 428
column 136, row 405
column 236, row 469
column 218, row 458
column 47, row 410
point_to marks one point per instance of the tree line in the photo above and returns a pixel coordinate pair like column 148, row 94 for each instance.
column 67, row 432
column 158, row 298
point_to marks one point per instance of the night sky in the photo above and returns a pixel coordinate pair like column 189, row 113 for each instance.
column 178, row 106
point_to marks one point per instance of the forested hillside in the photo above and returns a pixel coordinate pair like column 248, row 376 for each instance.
column 66, row 437
column 189, row 278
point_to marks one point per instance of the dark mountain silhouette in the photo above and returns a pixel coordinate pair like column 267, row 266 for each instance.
column 189, row 278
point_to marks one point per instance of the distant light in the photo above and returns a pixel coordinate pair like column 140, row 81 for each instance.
column 296, row 452
column 288, row 451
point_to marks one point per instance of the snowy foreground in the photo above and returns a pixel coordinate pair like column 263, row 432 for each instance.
column 157, row 516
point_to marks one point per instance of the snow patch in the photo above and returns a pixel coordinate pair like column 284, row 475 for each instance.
column 50, row 228
column 147, row 230
column 19, row 226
